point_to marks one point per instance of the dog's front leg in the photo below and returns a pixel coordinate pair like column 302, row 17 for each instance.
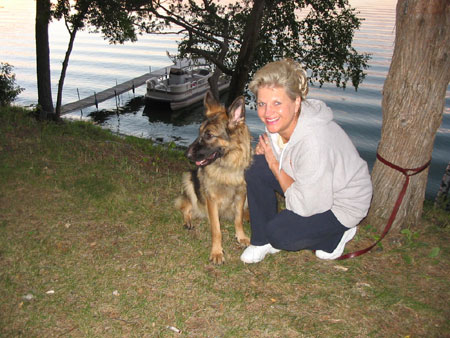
column 216, row 235
column 238, row 220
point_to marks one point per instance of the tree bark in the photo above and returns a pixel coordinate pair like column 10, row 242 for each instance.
column 43, row 59
column 246, row 53
column 214, row 79
column 413, row 104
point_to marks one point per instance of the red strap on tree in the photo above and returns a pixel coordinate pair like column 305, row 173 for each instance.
column 407, row 173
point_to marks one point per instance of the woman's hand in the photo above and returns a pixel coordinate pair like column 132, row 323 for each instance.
column 264, row 148
column 259, row 149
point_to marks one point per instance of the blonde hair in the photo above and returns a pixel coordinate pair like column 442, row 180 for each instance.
column 283, row 73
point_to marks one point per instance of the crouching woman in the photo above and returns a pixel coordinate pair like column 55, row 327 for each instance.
column 305, row 156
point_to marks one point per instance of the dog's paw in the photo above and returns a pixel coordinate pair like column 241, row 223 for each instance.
column 243, row 241
column 189, row 226
column 217, row 257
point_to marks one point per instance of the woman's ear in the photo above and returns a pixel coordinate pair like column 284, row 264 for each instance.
column 298, row 104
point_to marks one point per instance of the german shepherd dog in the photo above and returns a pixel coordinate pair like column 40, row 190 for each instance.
column 216, row 188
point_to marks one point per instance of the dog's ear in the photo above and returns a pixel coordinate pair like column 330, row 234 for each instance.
column 236, row 112
column 210, row 103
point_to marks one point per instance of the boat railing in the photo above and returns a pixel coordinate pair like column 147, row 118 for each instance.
column 188, row 86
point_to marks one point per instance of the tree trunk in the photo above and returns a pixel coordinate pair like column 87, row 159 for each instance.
column 214, row 83
column 246, row 53
column 43, row 59
column 413, row 103
column 214, row 79
column 65, row 64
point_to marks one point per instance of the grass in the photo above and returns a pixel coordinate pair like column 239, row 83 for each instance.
column 90, row 246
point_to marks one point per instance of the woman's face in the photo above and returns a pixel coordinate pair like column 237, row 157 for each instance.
column 277, row 110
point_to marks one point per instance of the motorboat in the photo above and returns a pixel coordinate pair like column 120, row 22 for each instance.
column 181, row 84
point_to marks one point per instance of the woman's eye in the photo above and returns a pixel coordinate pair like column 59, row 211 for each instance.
column 260, row 104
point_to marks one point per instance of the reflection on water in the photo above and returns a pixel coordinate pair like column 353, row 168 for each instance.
column 139, row 118
column 153, row 112
column 131, row 107
column 178, row 118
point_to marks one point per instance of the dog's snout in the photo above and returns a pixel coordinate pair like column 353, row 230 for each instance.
column 190, row 152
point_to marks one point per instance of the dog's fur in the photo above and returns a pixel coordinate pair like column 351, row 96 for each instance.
column 217, row 188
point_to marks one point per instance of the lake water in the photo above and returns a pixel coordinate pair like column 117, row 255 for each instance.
column 95, row 65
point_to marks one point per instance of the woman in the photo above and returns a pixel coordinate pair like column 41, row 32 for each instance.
column 310, row 160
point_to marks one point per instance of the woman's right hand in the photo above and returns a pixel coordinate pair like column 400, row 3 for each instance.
column 259, row 149
column 264, row 148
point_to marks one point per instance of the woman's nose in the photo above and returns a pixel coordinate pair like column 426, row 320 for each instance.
column 268, row 110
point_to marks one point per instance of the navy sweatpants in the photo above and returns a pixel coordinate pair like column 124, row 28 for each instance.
column 285, row 230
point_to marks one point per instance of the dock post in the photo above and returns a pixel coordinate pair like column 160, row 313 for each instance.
column 115, row 96
column 81, row 110
column 95, row 99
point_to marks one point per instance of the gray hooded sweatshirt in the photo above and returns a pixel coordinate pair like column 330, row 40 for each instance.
column 328, row 172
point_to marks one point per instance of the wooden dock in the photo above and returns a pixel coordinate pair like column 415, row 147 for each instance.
column 118, row 89
column 110, row 92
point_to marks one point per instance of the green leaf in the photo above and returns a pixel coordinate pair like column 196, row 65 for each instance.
column 434, row 252
column 407, row 233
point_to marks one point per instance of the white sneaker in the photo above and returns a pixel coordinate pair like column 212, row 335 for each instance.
column 346, row 237
column 256, row 253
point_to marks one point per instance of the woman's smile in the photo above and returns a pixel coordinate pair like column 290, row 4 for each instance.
column 272, row 120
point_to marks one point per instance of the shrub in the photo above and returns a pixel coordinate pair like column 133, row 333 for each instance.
column 8, row 89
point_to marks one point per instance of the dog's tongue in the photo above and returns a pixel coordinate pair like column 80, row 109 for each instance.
column 206, row 160
column 200, row 163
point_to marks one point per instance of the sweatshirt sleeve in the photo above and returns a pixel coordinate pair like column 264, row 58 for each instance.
column 310, row 165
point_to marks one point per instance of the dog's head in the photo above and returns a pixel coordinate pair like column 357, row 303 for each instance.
column 217, row 129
